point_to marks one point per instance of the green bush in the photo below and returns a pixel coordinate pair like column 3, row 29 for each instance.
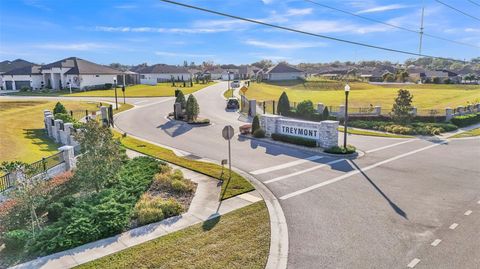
column 16, row 239
column 259, row 133
column 305, row 108
column 59, row 108
column 152, row 209
column 295, row 140
column 25, row 89
column 415, row 128
column 341, row 150
column 55, row 211
column 255, row 124
column 180, row 98
column 462, row 121
column 65, row 117
column 170, row 208
column 325, row 113
column 108, row 86
column 283, row 106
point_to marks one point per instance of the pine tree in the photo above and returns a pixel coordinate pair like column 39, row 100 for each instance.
column 193, row 108
column 325, row 113
column 59, row 108
column 255, row 124
column 283, row 106
column 181, row 99
column 401, row 111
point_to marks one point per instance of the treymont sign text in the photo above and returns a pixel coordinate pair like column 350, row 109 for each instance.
column 299, row 131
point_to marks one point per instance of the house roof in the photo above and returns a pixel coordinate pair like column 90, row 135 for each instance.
column 7, row 66
column 283, row 68
column 162, row 69
column 79, row 66
column 26, row 70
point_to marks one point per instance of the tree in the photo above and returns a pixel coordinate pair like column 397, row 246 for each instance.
column 388, row 77
column 255, row 124
column 59, row 108
column 263, row 64
column 305, row 108
column 283, row 106
column 401, row 111
column 193, row 109
column 101, row 157
column 402, row 75
column 181, row 99
column 325, row 113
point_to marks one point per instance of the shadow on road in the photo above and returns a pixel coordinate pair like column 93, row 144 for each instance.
column 397, row 209
column 175, row 128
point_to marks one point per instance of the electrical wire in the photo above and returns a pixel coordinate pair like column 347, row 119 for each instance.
column 458, row 10
column 473, row 2
column 307, row 33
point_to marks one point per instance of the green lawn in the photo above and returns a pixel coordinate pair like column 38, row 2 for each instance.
column 21, row 129
column 356, row 131
column 140, row 90
column 240, row 239
column 473, row 132
column 237, row 185
column 426, row 96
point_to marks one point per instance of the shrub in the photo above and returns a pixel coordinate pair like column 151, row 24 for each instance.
column 108, row 86
column 305, row 108
column 24, row 89
column 16, row 239
column 462, row 121
column 59, row 108
column 64, row 117
column 259, row 133
column 55, row 211
column 325, row 113
column 192, row 108
column 341, row 150
column 152, row 209
column 283, row 106
column 402, row 107
column 170, row 207
column 180, row 98
column 255, row 124
column 295, row 140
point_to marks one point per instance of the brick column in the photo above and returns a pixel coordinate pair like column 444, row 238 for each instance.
column 68, row 157
column 68, row 133
column 328, row 134
column 48, row 125
column 341, row 112
column 104, row 112
column 448, row 114
column 377, row 110
column 414, row 111
column 56, row 130
column 320, row 108
column 252, row 104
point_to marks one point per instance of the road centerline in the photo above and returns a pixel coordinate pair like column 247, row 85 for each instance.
column 285, row 165
column 349, row 174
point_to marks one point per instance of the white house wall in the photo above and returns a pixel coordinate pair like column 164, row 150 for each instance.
column 152, row 79
column 285, row 76
column 92, row 80
column 35, row 80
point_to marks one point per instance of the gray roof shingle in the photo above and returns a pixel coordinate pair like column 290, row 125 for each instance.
column 283, row 68
column 162, row 69
column 79, row 66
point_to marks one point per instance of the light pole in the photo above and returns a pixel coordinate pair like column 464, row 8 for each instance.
column 115, row 85
column 347, row 90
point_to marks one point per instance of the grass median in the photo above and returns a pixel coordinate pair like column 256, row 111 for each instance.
column 239, row 239
column 237, row 184
column 471, row 133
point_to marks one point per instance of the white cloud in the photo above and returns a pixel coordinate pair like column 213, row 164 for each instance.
column 382, row 8
column 299, row 11
column 283, row 45
column 179, row 54
column 472, row 30
column 332, row 26
column 73, row 46
column 127, row 29
column 126, row 6
column 266, row 2
column 37, row 4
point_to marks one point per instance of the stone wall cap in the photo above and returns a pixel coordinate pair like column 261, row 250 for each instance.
column 58, row 120
column 271, row 116
column 62, row 148
column 330, row 121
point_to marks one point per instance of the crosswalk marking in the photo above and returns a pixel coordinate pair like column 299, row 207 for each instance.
column 285, row 165
column 303, row 171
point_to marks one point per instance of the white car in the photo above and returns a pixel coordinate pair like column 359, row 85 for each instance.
column 235, row 84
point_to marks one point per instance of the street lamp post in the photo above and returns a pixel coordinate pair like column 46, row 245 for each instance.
column 345, row 120
column 115, row 85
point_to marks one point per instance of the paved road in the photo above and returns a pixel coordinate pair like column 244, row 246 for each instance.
column 382, row 210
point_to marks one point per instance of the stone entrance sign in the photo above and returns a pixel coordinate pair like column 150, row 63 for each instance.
column 324, row 132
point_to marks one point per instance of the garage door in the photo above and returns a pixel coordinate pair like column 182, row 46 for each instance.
column 22, row 84
column 9, row 85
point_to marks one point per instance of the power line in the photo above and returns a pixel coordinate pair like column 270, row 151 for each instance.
column 473, row 2
column 458, row 10
column 390, row 24
column 306, row 33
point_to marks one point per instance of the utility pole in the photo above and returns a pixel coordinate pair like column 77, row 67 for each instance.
column 421, row 31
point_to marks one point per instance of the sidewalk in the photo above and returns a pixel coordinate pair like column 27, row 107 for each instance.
column 205, row 205
column 458, row 131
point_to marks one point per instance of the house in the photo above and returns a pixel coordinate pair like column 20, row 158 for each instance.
column 247, row 71
column 78, row 73
column 6, row 66
column 441, row 76
column 217, row 73
column 23, row 77
column 375, row 74
column 283, row 71
column 162, row 73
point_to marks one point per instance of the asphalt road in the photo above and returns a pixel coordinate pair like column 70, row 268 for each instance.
column 382, row 210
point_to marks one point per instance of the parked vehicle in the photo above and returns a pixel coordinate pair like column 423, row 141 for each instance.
column 232, row 103
column 235, row 84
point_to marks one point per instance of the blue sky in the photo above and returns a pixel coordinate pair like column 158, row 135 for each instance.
column 132, row 32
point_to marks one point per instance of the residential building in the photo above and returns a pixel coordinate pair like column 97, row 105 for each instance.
column 283, row 71
column 6, row 66
column 162, row 73
column 24, row 77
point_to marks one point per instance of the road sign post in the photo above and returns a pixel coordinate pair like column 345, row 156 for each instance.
column 227, row 134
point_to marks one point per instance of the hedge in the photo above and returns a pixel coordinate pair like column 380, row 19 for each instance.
column 462, row 121
column 341, row 150
column 295, row 140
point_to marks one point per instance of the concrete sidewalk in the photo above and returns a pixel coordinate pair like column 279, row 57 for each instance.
column 205, row 205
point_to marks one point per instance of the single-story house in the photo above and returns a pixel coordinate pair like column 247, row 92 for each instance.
column 247, row 71
column 283, row 71
column 441, row 76
column 7, row 66
column 24, row 77
column 162, row 73
column 217, row 73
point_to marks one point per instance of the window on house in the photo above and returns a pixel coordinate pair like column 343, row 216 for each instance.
column 142, row 76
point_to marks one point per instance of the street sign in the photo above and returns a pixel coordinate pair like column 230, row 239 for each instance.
column 227, row 132
column 244, row 89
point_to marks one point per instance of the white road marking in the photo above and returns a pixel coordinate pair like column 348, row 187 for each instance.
column 285, row 165
column 468, row 212
column 478, row 202
column 349, row 174
column 139, row 102
column 413, row 263
column 436, row 242
column 453, row 226
column 303, row 171
column 389, row 146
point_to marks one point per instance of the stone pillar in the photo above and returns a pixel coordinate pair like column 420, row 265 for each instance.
column 104, row 112
column 252, row 108
column 268, row 122
column 377, row 110
column 448, row 114
column 414, row 111
column 460, row 110
column 320, row 108
column 328, row 134
column 477, row 107
column 68, row 157
column 68, row 133
column 177, row 110
column 56, row 133
column 341, row 112
column 48, row 125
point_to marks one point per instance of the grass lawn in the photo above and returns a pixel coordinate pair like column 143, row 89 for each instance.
column 426, row 96
column 240, row 239
column 237, row 185
column 228, row 93
column 473, row 132
column 371, row 133
column 21, row 129
column 140, row 90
